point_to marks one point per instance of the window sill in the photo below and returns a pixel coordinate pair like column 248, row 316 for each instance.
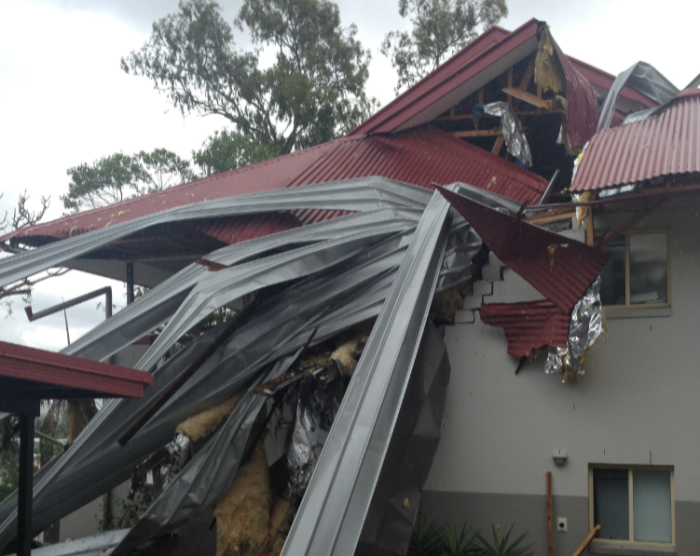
column 612, row 548
column 637, row 312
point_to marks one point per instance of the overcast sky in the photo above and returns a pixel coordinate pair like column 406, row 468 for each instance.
column 64, row 99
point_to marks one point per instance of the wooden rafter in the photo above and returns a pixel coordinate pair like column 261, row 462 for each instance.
column 530, row 99
column 478, row 133
column 627, row 224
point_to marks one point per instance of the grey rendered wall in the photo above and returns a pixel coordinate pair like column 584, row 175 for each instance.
column 638, row 404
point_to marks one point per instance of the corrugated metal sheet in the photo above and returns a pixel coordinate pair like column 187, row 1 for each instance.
column 581, row 109
column 604, row 80
column 244, row 228
column 420, row 156
column 41, row 368
column 662, row 145
column 528, row 326
column 560, row 268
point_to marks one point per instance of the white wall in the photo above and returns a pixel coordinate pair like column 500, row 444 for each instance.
column 637, row 404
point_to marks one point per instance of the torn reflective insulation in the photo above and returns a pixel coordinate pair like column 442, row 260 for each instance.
column 586, row 326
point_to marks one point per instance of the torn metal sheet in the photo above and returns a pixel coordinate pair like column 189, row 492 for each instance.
column 160, row 303
column 529, row 327
column 554, row 70
column 333, row 511
column 95, row 462
column 359, row 195
column 396, row 501
column 512, row 129
column 216, row 289
column 560, row 268
column 95, row 545
column 339, row 294
column 209, row 474
column 586, row 325
column 641, row 77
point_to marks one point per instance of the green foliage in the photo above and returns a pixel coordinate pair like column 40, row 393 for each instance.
column 439, row 539
column 426, row 538
column 313, row 91
column 501, row 546
column 226, row 150
column 9, row 456
column 119, row 176
column 458, row 544
column 440, row 29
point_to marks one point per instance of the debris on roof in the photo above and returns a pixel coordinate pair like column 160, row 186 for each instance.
column 559, row 268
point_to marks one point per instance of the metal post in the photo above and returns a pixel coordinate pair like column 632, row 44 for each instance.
column 106, row 291
column 26, row 479
column 129, row 283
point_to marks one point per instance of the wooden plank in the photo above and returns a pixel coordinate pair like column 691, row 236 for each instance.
column 547, row 218
column 527, row 76
column 479, row 133
column 590, row 232
column 586, row 541
column 510, row 84
column 626, row 225
column 498, row 145
column 459, row 117
column 550, row 539
column 529, row 98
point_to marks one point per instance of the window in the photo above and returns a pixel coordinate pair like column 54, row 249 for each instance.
column 633, row 505
column 637, row 271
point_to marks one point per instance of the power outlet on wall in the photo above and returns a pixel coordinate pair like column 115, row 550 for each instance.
column 562, row 525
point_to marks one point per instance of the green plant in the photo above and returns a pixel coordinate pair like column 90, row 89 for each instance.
column 500, row 545
column 458, row 544
column 426, row 538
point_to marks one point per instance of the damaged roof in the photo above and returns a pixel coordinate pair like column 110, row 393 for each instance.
column 665, row 144
column 487, row 56
column 420, row 156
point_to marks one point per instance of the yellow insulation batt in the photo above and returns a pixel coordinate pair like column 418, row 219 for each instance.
column 344, row 357
column 280, row 518
column 243, row 514
column 197, row 426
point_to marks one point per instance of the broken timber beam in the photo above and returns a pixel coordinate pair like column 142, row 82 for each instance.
column 586, row 541
column 530, row 98
column 498, row 145
column 626, row 225
column 479, row 133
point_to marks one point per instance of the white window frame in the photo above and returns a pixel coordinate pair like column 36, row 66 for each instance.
column 643, row 309
column 631, row 543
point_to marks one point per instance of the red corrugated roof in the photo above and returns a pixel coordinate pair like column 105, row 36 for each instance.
column 492, row 46
column 581, row 106
column 242, row 228
column 35, row 371
column 478, row 55
column 662, row 145
column 419, row 156
column 528, row 326
column 561, row 269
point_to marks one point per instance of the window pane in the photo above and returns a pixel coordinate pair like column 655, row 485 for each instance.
column 652, row 506
column 648, row 269
column 612, row 282
column 611, row 503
